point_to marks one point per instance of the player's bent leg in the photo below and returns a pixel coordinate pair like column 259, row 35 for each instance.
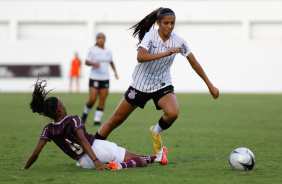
column 123, row 110
column 93, row 92
column 129, row 155
column 103, row 93
column 169, row 105
column 131, row 160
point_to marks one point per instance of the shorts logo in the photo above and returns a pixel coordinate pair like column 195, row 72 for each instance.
column 132, row 94
column 96, row 84
column 166, row 91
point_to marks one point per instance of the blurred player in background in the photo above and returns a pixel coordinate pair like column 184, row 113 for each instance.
column 99, row 58
column 70, row 135
column 75, row 72
column 151, row 78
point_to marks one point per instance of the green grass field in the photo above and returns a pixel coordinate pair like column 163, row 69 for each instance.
column 199, row 143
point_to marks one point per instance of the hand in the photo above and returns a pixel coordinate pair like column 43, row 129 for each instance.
column 96, row 65
column 214, row 92
column 116, row 75
column 100, row 165
column 173, row 50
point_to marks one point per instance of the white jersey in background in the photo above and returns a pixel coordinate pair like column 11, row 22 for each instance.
column 102, row 56
column 153, row 75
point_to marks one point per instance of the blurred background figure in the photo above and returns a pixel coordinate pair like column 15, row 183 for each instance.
column 75, row 72
column 99, row 58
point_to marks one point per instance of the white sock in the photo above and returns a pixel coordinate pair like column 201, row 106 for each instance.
column 98, row 115
column 86, row 109
column 119, row 166
column 157, row 129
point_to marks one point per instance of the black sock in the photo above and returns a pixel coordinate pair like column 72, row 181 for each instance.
column 98, row 136
column 163, row 124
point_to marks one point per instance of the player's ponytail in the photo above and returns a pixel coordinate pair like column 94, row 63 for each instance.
column 143, row 26
column 38, row 103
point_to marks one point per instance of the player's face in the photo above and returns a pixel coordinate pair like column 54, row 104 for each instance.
column 101, row 40
column 166, row 24
column 63, row 109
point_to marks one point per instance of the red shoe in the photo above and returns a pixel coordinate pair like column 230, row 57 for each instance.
column 161, row 156
column 113, row 166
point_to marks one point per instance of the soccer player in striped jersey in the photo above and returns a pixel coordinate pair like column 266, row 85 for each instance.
column 70, row 135
column 151, row 77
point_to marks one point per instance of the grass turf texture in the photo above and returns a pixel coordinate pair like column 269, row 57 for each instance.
column 199, row 143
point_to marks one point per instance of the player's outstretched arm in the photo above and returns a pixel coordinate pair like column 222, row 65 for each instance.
column 88, row 150
column 199, row 70
column 33, row 157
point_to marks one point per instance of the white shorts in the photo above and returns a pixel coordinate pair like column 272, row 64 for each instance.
column 105, row 151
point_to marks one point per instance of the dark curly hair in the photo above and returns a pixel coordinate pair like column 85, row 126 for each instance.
column 46, row 107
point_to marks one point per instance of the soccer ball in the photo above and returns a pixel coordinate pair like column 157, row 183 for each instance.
column 242, row 159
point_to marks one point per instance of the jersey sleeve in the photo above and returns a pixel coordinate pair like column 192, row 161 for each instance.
column 76, row 123
column 45, row 134
column 89, row 55
column 186, row 50
column 146, row 42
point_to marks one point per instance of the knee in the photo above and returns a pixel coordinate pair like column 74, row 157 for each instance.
column 144, row 162
column 173, row 115
column 91, row 102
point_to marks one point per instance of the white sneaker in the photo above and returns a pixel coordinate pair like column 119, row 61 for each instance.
column 161, row 156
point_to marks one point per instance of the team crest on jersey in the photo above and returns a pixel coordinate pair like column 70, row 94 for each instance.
column 132, row 94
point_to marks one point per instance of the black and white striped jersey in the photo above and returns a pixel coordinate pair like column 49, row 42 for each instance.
column 153, row 75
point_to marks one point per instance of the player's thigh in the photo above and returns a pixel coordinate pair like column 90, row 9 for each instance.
column 108, row 151
column 129, row 155
column 103, row 93
column 123, row 110
column 169, row 104
column 93, row 93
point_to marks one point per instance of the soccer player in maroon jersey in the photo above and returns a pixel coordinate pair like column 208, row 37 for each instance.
column 70, row 135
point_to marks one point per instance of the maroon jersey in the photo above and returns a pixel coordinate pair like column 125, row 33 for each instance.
column 63, row 134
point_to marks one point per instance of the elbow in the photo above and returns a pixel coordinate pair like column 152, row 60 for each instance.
column 140, row 59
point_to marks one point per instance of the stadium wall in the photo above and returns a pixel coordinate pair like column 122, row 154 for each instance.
column 238, row 43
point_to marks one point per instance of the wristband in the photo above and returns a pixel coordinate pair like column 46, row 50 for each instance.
column 95, row 159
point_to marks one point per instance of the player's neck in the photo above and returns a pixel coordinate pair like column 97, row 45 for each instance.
column 162, row 36
column 101, row 46
column 58, row 119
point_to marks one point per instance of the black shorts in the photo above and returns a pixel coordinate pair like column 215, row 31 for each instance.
column 139, row 98
column 98, row 84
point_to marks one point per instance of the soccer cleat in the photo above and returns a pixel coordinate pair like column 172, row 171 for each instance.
column 77, row 164
column 83, row 118
column 161, row 156
column 157, row 140
column 113, row 166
